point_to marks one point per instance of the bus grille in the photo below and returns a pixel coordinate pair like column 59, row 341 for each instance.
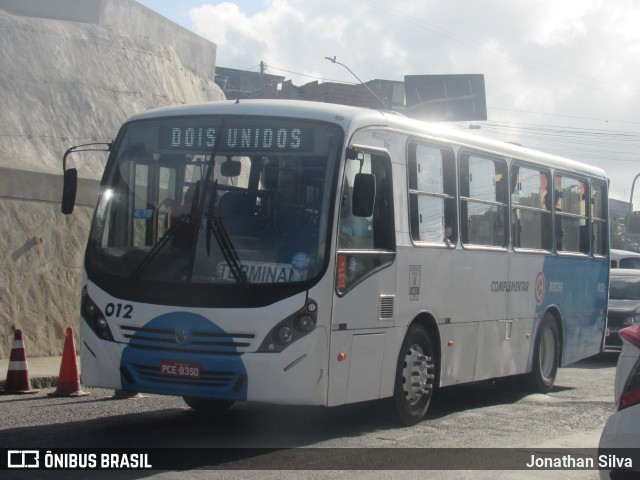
column 181, row 341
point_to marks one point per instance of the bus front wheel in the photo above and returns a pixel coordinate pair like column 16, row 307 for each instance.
column 208, row 405
column 415, row 376
column 546, row 356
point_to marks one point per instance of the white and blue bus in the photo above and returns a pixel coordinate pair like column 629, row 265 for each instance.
column 316, row 254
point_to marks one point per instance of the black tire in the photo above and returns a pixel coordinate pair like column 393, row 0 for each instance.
column 546, row 356
column 415, row 376
column 208, row 405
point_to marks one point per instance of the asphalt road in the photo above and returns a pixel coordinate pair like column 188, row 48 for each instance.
column 470, row 417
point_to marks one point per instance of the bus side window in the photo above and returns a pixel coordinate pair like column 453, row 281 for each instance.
column 432, row 201
column 599, row 213
column 571, row 226
column 366, row 243
column 376, row 231
column 483, row 200
column 382, row 220
column 531, row 208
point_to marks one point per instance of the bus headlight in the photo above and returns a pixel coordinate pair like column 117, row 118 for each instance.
column 305, row 323
column 284, row 334
column 94, row 317
column 291, row 329
column 90, row 309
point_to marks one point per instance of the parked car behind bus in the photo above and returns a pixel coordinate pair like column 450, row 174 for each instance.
column 624, row 259
column 624, row 304
column 622, row 431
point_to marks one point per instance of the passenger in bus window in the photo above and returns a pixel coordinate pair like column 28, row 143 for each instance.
column 184, row 209
column 448, row 233
column 183, row 219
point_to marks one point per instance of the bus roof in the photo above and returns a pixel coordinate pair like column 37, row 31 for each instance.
column 354, row 118
column 445, row 132
column 282, row 108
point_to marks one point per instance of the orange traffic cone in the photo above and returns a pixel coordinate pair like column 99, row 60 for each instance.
column 18, row 371
column 68, row 380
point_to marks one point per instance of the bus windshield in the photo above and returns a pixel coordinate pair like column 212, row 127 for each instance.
column 236, row 201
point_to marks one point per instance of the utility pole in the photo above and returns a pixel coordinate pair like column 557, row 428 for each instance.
column 630, row 212
column 333, row 60
column 262, row 68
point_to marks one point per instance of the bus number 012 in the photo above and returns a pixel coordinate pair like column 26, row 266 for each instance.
column 119, row 310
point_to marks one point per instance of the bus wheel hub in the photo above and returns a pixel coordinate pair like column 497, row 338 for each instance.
column 417, row 375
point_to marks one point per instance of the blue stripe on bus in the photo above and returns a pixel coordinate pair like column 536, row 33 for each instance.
column 185, row 354
column 579, row 289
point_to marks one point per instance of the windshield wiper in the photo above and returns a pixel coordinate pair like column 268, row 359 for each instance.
column 214, row 222
column 216, row 227
column 210, row 207
column 151, row 254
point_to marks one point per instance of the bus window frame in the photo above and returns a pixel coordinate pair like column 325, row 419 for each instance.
column 592, row 218
column 540, row 169
column 558, row 217
column 448, row 150
column 468, row 152
column 387, row 257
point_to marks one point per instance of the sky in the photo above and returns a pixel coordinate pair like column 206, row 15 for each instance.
column 560, row 76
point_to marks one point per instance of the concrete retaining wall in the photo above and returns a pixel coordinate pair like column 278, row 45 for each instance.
column 195, row 52
column 40, row 273
column 64, row 83
column 44, row 187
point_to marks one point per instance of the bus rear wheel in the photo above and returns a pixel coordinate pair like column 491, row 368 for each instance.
column 415, row 376
column 208, row 405
column 546, row 355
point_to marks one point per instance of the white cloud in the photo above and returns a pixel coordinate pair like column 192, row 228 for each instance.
column 621, row 21
column 574, row 60
column 219, row 22
column 561, row 22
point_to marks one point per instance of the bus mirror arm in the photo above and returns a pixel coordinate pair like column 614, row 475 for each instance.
column 70, row 181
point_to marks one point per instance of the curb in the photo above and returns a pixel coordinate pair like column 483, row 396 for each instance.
column 38, row 383
column 44, row 382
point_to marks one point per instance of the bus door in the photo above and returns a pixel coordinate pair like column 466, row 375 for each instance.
column 532, row 239
column 365, row 285
column 484, row 231
column 154, row 191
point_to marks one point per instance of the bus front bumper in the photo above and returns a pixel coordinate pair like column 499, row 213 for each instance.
column 297, row 375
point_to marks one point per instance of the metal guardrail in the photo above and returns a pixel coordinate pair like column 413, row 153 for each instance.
column 44, row 187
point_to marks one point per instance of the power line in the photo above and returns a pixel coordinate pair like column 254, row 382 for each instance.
column 506, row 55
column 310, row 76
column 612, row 146
column 563, row 115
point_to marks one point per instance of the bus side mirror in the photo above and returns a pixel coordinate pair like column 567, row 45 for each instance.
column 69, row 189
column 364, row 195
column 70, row 183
